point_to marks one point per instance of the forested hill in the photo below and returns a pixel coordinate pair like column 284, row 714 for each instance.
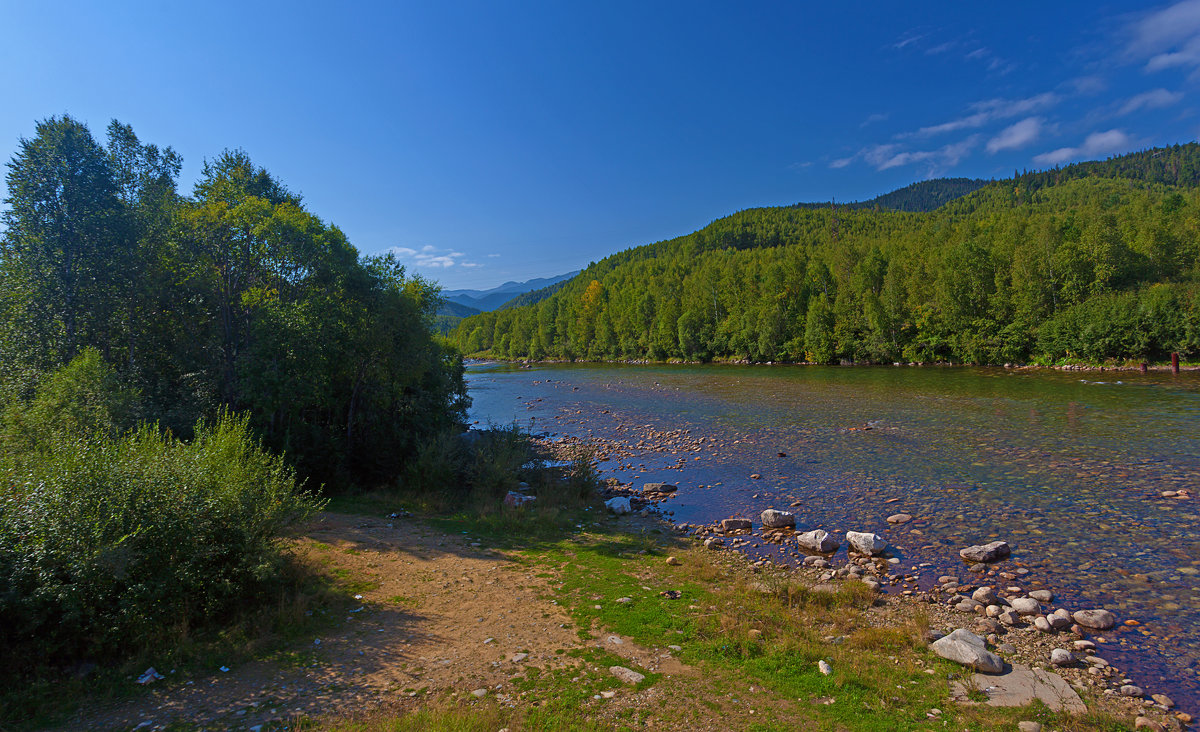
column 926, row 195
column 1094, row 261
column 536, row 296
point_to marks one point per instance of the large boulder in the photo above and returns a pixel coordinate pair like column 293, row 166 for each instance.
column 866, row 542
column 772, row 519
column 736, row 524
column 818, row 540
column 1094, row 619
column 986, row 552
column 963, row 646
column 619, row 505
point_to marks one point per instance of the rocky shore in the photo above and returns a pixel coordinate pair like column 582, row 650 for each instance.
column 1020, row 644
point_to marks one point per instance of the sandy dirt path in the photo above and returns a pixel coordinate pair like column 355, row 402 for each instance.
column 439, row 613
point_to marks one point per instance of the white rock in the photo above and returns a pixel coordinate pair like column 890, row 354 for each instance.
column 964, row 647
column 772, row 519
column 986, row 552
column 818, row 540
column 824, row 667
column 866, row 542
column 619, row 505
column 1061, row 657
column 1025, row 606
column 629, row 676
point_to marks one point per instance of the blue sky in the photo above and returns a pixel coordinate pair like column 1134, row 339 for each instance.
column 485, row 142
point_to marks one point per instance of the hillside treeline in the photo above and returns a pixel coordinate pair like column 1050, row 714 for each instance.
column 234, row 297
column 1095, row 262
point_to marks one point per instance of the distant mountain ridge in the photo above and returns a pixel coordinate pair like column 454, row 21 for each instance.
column 485, row 300
column 920, row 197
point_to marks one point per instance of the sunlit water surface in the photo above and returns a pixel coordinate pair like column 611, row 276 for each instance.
column 1068, row 467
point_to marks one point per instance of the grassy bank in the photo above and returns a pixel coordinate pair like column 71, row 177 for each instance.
column 750, row 642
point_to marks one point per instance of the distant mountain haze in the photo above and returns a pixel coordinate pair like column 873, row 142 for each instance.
column 484, row 300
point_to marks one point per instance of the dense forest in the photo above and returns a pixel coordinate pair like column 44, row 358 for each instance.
column 925, row 195
column 235, row 297
column 181, row 374
column 1096, row 261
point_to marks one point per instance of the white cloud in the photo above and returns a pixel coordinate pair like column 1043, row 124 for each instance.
column 1016, row 136
column 1096, row 144
column 883, row 157
column 872, row 119
column 908, row 40
column 1153, row 99
column 1167, row 38
column 429, row 256
column 989, row 110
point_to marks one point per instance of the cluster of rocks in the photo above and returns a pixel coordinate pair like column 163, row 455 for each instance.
column 623, row 499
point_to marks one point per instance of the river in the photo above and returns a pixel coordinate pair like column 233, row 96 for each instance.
column 1068, row 467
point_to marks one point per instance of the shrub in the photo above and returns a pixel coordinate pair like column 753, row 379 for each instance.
column 109, row 545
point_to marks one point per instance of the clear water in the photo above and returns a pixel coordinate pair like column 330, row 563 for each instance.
column 1068, row 467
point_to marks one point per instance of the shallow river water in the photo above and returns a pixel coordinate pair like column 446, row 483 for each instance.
column 1068, row 467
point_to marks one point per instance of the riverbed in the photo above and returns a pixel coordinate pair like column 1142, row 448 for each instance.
column 1070, row 468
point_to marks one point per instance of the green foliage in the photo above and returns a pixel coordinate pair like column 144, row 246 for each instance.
column 1010, row 272
column 85, row 397
column 926, row 195
column 109, row 544
column 236, row 298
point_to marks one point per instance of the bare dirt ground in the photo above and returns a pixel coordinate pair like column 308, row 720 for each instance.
column 439, row 614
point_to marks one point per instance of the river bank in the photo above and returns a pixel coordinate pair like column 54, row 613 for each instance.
column 618, row 623
column 1124, row 367
column 1073, row 474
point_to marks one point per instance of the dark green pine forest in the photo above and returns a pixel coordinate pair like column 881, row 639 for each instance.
column 1094, row 262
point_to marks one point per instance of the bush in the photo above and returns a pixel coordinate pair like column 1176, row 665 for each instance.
column 111, row 545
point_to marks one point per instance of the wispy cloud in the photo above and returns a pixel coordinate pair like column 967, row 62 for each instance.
column 1096, row 144
column 872, row 119
column 908, row 39
column 987, row 111
column 1167, row 38
column 1153, row 99
column 431, row 257
column 892, row 155
column 1016, row 136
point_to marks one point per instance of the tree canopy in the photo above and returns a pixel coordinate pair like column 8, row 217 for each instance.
column 233, row 298
column 1094, row 261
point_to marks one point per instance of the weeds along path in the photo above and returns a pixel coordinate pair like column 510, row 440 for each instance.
column 453, row 634
column 439, row 614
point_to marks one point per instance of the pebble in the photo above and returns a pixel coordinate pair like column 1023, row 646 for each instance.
column 1163, row 699
column 479, row 693
column 1061, row 657
column 899, row 518
column 824, row 668
column 1131, row 690
column 1029, row 726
